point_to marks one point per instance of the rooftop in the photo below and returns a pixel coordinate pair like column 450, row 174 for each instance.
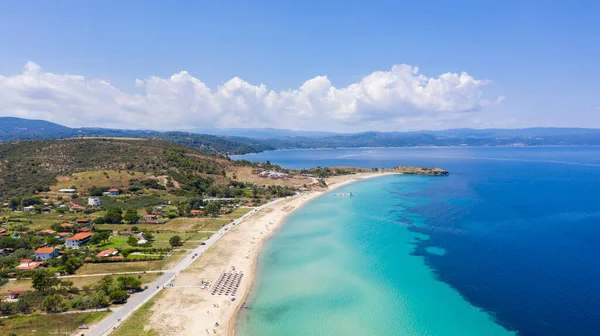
column 80, row 236
column 45, row 250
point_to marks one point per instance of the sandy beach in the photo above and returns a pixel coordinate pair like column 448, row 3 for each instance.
column 188, row 309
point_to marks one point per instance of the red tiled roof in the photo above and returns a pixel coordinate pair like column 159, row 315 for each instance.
column 66, row 225
column 45, row 250
column 63, row 234
column 113, row 190
column 82, row 220
column 84, row 229
column 107, row 253
column 48, row 231
column 80, row 236
column 17, row 292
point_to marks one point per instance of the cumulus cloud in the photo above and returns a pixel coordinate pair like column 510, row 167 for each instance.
column 401, row 97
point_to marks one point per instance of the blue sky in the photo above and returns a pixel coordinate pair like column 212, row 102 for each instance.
column 528, row 64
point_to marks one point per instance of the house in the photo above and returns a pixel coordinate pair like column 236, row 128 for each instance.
column 79, row 239
column 108, row 253
column 82, row 220
column 94, row 201
column 63, row 235
column 77, row 207
column 113, row 192
column 66, row 225
column 195, row 212
column 149, row 217
column 28, row 264
column 273, row 175
column 47, row 232
column 29, row 208
column 5, row 251
column 83, row 229
column 67, row 191
column 125, row 233
column 15, row 294
column 5, row 205
column 46, row 253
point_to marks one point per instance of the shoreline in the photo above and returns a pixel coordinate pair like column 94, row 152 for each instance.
column 231, row 324
column 187, row 309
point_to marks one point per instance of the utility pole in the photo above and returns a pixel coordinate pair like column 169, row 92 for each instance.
column 58, row 328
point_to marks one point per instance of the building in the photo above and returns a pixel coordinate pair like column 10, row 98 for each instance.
column 46, row 253
column 125, row 233
column 63, row 235
column 47, row 232
column 113, row 192
column 94, row 201
column 66, row 225
column 195, row 212
column 15, row 294
column 108, row 253
column 77, row 207
column 82, row 220
column 83, row 229
column 29, row 208
column 67, row 191
column 79, row 239
column 272, row 174
column 149, row 217
column 28, row 264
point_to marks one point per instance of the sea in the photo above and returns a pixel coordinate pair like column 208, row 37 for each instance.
column 507, row 244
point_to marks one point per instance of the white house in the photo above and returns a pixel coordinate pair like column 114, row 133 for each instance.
column 113, row 192
column 67, row 191
column 45, row 253
column 29, row 208
column 94, row 201
column 79, row 239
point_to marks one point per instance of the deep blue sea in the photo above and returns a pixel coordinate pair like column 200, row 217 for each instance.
column 508, row 243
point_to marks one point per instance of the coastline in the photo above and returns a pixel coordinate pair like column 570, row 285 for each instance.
column 336, row 183
column 187, row 309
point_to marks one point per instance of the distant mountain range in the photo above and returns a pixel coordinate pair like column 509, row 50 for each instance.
column 243, row 141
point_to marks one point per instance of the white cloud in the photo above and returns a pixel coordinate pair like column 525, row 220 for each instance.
column 397, row 99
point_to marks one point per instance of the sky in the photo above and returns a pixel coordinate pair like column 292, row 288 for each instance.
column 344, row 66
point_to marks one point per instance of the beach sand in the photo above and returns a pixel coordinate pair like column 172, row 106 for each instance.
column 187, row 309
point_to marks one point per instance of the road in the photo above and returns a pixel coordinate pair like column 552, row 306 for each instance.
column 111, row 322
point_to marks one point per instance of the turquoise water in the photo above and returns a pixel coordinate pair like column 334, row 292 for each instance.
column 346, row 266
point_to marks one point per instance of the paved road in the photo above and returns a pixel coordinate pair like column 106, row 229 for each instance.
column 112, row 321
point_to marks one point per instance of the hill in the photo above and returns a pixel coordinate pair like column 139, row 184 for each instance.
column 13, row 129
column 25, row 129
column 32, row 166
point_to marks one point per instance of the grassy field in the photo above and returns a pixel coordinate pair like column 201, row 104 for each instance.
column 134, row 266
column 77, row 282
column 136, row 324
column 237, row 213
column 43, row 325
column 97, row 178
column 118, row 242
column 194, row 224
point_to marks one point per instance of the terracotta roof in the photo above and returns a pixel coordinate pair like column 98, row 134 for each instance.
column 113, row 190
column 66, row 225
column 17, row 292
column 63, row 234
column 82, row 220
column 80, row 236
column 45, row 250
column 107, row 253
column 84, row 229
column 195, row 211
column 48, row 231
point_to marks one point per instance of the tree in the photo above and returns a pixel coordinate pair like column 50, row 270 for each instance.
column 42, row 280
column 114, row 216
column 148, row 236
column 118, row 296
column 213, row 208
column 254, row 191
column 52, row 303
column 135, row 229
column 105, row 284
column 132, row 241
column 131, row 216
column 128, row 282
column 100, row 237
column 175, row 241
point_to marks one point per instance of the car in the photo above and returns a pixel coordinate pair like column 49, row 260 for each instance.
column 84, row 326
